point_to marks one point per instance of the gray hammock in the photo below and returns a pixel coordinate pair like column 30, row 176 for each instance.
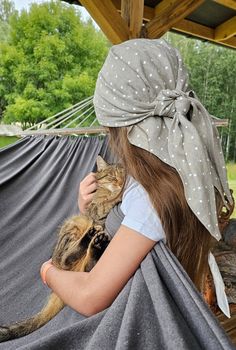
column 159, row 308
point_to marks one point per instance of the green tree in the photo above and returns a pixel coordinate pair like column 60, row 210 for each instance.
column 50, row 62
column 4, row 31
column 7, row 9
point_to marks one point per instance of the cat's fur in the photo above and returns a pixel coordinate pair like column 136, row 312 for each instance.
column 80, row 244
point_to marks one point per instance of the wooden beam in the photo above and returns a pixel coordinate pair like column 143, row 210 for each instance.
column 202, row 32
column 221, row 122
column 226, row 30
column 132, row 13
column 88, row 130
column 231, row 42
column 76, row 131
column 167, row 13
column 186, row 26
column 108, row 19
column 227, row 3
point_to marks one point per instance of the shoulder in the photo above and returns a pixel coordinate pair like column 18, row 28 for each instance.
column 132, row 190
column 139, row 212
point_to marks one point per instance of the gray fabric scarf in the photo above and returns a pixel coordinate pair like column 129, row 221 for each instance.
column 143, row 85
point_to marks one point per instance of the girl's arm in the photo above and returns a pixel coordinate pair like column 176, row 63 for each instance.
column 91, row 292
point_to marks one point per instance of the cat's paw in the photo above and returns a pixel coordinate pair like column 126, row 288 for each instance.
column 91, row 233
column 100, row 241
column 95, row 250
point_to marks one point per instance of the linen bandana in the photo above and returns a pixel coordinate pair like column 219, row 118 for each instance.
column 143, row 85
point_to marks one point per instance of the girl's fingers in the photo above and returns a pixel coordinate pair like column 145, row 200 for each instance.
column 44, row 268
column 45, row 264
column 91, row 188
column 89, row 198
column 88, row 180
column 86, row 191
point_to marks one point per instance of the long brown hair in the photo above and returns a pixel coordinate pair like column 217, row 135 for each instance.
column 186, row 236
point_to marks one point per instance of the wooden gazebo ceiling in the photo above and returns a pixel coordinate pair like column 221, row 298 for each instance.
column 120, row 20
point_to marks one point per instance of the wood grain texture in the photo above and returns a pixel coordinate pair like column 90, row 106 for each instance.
column 226, row 30
column 189, row 27
column 202, row 32
column 227, row 3
column 109, row 20
column 167, row 13
column 132, row 13
column 229, row 324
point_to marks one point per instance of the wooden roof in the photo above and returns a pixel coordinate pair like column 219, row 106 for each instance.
column 120, row 20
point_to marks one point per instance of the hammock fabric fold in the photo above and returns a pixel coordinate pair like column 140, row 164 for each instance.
column 159, row 308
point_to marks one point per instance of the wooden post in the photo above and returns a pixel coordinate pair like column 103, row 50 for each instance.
column 125, row 11
column 136, row 17
column 132, row 13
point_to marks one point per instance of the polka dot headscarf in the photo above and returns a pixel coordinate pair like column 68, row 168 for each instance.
column 143, row 85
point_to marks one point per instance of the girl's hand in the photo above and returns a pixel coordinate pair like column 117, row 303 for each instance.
column 44, row 268
column 86, row 191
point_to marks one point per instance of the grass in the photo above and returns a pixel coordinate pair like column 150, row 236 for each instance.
column 232, row 185
column 7, row 140
column 231, row 172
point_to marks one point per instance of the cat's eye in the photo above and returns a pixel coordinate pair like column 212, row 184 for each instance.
column 101, row 176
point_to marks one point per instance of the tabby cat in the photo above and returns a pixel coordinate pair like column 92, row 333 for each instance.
column 81, row 242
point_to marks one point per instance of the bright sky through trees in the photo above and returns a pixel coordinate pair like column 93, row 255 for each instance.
column 25, row 4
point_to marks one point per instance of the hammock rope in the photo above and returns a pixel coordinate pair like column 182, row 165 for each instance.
column 70, row 111
column 74, row 120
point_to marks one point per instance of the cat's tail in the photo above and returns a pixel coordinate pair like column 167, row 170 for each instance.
column 22, row 328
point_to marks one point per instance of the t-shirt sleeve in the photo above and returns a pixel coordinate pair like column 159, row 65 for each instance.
column 140, row 214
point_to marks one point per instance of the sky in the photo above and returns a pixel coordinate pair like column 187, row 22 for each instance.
column 24, row 4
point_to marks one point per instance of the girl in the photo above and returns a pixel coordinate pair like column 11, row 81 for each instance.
column 176, row 179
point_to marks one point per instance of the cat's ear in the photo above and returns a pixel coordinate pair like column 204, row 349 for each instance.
column 101, row 164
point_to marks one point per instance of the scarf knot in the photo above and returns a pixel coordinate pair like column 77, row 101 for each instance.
column 169, row 102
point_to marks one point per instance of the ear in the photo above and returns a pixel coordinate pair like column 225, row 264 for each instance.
column 101, row 164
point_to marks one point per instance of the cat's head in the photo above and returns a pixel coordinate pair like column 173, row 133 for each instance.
column 110, row 176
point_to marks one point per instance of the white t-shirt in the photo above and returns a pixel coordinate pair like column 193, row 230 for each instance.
column 142, row 217
column 139, row 212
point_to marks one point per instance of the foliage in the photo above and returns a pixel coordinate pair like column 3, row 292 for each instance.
column 49, row 62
